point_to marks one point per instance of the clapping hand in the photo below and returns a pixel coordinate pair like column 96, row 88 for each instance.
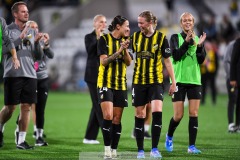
column 202, row 39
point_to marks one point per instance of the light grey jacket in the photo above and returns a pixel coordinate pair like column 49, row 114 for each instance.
column 27, row 52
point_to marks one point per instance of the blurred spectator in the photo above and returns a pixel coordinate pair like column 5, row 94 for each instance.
column 7, row 10
column 170, row 11
column 227, row 30
column 235, row 78
column 209, row 70
column 233, row 8
column 201, row 24
column 232, row 92
column 210, row 29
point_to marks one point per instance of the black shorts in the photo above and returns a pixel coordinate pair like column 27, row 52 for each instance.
column 143, row 94
column 192, row 91
column 118, row 97
column 20, row 90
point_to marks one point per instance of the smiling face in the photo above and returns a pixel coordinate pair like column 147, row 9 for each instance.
column 34, row 25
column 100, row 23
column 187, row 22
column 124, row 29
column 144, row 25
column 22, row 14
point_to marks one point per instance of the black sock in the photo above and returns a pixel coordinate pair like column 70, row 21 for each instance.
column 106, row 131
column 116, row 133
column 156, row 128
column 192, row 129
column 17, row 119
column 172, row 127
column 139, row 130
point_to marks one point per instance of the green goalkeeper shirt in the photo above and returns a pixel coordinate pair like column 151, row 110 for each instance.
column 187, row 69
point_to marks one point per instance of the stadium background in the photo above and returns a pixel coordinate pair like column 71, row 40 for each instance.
column 67, row 22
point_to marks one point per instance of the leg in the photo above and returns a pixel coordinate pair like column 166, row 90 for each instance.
column 232, row 97
column 95, row 118
column 5, row 115
column 23, row 121
column 140, row 113
column 238, row 110
column 193, row 125
column 178, row 109
column 156, row 106
column 34, row 120
column 107, row 109
column 116, row 126
column 147, row 121
column 193, row 120
column 28, row 97
column 42, row 96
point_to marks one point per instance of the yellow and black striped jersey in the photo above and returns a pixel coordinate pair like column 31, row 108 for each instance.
column 114, row 74
column 148, row 57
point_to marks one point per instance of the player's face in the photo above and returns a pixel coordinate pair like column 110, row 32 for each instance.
column 101, row 24
column 144, row 25
column 22, row 15
column 124, row 29
column 34, row 26
column 187, row 22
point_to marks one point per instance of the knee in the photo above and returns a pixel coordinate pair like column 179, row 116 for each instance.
column 108, row 116
column 178, row 117
column 140, row 114
column 116, row 119
column 10, row 109
column 193, row 114
column 25, row 107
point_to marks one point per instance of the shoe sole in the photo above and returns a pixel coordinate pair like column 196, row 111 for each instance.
column 194, row 153
column 21, row 148
column 106, row 158
column 40, row 145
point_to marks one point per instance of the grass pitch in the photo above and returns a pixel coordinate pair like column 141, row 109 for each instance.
column 66, row 119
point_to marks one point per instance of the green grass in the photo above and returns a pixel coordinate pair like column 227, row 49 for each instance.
column 67, row 116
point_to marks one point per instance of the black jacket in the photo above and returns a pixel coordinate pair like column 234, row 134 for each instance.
column 235, row 63
column 91, row 72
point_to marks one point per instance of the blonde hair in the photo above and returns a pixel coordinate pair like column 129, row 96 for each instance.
column 28, row 23
column 149, row 17
column 97, row 17
column 186, row 13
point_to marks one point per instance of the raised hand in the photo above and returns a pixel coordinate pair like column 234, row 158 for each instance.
column 202, row 39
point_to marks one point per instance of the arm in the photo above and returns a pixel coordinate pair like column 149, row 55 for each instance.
column 126, row 57
column 227, row 58
column 166, row 52
column 46, row 49
column 201, row 53
column 177, row 52
column 105, row 60
column 48, row 52
column 102, row 51
column 8, row 41
column 38, row 51
column 90, row 43
column 170, row 70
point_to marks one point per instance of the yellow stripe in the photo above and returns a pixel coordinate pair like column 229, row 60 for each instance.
column 110, row 50
column 117, row 69
column 139, row 42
